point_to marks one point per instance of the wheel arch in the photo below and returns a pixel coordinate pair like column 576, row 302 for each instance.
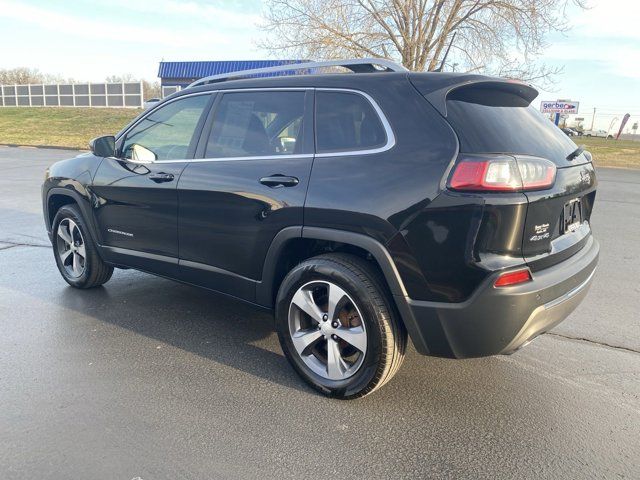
column 284, row 246
column 294, row 244
column 57, row 197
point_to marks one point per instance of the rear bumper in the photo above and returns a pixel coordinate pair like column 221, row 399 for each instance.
column 501, row 320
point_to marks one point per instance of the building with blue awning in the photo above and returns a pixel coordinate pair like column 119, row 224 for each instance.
column 177, row 75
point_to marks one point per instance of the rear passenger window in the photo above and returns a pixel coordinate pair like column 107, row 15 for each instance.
column 248, row 124
column 346, row 121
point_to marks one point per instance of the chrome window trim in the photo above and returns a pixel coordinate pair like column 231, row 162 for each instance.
column 238, row 159
column 390, row 143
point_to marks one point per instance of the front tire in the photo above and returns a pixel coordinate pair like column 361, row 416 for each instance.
column 338, row 327
column 75, row 252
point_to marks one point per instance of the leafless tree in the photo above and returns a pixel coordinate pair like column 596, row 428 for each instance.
column 501, row 37
column 151, row 89
column 125, row 77
column 24, row 76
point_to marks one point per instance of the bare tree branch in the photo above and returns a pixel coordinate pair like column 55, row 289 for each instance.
column 502, row 37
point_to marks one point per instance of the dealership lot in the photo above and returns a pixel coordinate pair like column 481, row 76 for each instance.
column 148, row 378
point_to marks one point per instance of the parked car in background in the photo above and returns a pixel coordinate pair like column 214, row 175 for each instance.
column 151, row 102
column 569, row 132
column 361, row 208
column 597, row 133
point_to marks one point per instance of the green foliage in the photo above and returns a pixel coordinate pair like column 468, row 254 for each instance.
column 63, row 127
column 612, row 153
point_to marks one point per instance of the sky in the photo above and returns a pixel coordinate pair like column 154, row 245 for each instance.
column 92, row 39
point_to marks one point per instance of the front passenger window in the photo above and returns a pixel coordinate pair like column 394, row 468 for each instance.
column 167, row 132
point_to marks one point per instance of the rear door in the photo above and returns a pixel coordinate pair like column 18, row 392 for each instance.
column 249, row 182
column 499, row 122
column 136, row 200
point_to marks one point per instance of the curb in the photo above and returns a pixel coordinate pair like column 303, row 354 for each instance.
column 48, row 147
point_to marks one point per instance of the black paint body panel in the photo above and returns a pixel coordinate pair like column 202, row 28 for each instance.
column 228, row 219
column 127, row 200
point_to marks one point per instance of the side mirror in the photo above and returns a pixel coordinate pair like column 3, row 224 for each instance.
column 103, row 146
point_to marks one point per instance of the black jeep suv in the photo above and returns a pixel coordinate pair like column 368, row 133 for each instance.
column 359, row 207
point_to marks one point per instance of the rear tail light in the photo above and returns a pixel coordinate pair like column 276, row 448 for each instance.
column 502, row 173
column 513, row 278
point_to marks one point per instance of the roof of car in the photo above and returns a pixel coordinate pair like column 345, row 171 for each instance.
column 432, row 81
column 434, row 85
column 314, row 80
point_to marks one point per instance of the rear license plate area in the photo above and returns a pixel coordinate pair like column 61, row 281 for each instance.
column 571, row 216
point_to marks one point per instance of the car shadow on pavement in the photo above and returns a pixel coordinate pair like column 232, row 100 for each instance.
column 210, row 325
column 202, row 322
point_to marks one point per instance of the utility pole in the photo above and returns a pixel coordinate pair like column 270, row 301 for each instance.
column 593, row 119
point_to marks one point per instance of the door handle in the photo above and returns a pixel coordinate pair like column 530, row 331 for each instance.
column 279, row 180
column 161, row 177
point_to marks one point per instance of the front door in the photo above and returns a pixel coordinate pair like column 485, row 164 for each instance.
column 250, row 182
column 135, row 197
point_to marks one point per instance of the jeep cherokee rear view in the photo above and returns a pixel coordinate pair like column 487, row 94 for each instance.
column 362, row 208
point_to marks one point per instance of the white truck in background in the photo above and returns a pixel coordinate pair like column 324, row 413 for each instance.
column 597, row 133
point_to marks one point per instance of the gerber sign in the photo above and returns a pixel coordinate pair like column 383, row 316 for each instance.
column 559, row 106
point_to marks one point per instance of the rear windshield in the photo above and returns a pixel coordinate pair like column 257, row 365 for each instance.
column 495, row 122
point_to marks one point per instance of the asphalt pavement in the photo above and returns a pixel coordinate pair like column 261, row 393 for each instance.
column 149, row 379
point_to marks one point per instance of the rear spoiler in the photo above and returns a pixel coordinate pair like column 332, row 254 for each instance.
column 472, row 88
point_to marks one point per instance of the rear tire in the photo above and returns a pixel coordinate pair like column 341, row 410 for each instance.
column 343, row 297
column 75, row 251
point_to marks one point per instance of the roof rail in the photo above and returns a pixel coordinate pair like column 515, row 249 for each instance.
column 356, row 65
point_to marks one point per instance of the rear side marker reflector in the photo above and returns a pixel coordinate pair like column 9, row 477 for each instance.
column 513, row 278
